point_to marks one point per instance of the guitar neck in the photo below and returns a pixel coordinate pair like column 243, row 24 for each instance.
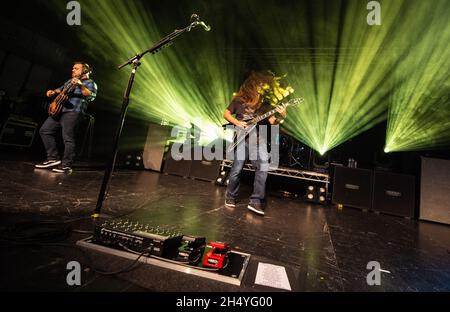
column 268, row 114
column 68, row 88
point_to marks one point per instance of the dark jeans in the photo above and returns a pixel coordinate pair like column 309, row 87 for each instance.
column 261, row 165
column 67, row 122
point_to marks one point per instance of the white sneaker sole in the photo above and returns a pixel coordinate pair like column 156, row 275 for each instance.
column 56, row 163
column 230, row 205
column 255, row 210
column 62, row 171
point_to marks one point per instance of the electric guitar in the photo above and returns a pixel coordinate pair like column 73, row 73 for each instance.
column 252, row 123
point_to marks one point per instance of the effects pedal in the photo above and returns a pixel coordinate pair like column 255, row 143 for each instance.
column 217, row 258
column 137, row 237
column 191, row 250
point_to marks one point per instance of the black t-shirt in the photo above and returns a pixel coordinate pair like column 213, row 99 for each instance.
column 245, row 113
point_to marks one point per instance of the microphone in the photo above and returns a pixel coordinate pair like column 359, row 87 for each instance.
column 206, row 27
column 195, row 19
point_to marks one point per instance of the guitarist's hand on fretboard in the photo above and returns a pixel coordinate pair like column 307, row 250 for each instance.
column 242, row 124
column 251, row 125
column 282, row 111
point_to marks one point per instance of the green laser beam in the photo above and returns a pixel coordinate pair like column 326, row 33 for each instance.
column 187, row 83
column 352, row 75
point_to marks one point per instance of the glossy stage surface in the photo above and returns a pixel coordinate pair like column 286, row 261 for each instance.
column 322, row 248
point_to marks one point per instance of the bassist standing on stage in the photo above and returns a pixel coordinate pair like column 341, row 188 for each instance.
column 81, row 90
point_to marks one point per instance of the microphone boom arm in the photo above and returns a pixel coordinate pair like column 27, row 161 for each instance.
column 167, row 40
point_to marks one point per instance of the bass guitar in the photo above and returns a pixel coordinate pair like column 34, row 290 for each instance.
column 56, row 106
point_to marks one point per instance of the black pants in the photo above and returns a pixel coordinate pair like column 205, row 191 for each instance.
column 67, row 122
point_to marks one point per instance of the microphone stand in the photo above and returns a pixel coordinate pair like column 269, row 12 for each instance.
column 135, row 63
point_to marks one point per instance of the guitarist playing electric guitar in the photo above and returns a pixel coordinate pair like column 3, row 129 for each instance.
column 247, row 104
column 73, row 98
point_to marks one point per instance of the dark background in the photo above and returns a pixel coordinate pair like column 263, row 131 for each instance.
column 37, row 52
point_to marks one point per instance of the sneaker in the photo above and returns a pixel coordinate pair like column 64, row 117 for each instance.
column 230, row 202
column 62, row 169
column 48, row 164
column 256, row 207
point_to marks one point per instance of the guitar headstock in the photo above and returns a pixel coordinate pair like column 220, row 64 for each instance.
column 293, row 102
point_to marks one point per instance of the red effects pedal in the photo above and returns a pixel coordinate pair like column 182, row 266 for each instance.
column 217, row 258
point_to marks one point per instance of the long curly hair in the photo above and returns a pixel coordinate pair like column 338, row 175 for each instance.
column 250, row 91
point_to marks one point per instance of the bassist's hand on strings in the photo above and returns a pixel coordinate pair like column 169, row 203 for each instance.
column 51, row 93
column 76, row 81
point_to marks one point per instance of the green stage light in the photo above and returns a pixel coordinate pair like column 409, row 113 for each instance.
column 352, row 75
column 188, row 83
column 348, row 71
column 322, row 151
column 419, row 110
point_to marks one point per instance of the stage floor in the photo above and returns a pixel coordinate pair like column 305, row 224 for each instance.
column 322, row 248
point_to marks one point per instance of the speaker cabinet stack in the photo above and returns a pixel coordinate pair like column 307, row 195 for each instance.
column 207, row 170
column 203, row 169
column 155, row 145
column 394, row 194
column 178, row 167
column 379, row 191
column 353, row 187
column 18, row 131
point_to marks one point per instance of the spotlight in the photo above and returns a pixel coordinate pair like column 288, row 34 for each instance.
column 222, row 178
column 316, row 194
column 133, row 160
column 322, row 195
column 310, row 193
column 386, row 150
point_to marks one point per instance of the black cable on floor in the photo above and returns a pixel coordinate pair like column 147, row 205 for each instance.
column 37, row 231
column 48, row 233
column 126, row 269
